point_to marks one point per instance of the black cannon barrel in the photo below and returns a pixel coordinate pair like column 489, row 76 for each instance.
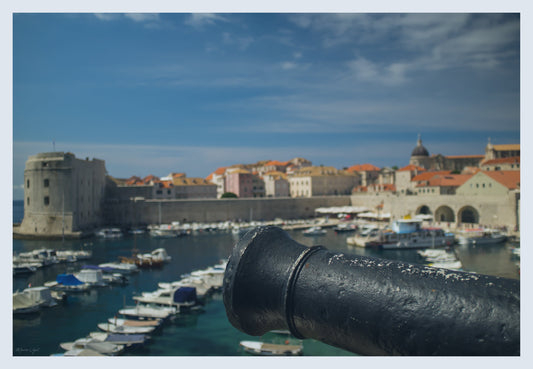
column 366, row 305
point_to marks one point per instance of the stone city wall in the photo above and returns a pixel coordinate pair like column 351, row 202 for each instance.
column 144, row 212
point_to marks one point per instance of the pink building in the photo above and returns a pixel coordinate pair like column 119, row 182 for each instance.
column 239, row 181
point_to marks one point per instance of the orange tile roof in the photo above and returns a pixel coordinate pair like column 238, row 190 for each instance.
column 508, row 178
column 511, row 147
column 411, row 168
column 277, row 163
column 149, row 178
column 193, row 181
column 133, row 181
column 363, row 168
column 219, row 172
column 426, row 176
column 510, row 160
column 166, row 184
column 450, row 180
column 465, row 156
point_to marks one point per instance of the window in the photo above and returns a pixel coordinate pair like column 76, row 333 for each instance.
column 27, row 201
column 27, row 183
column 47, row 200
column 46, row 182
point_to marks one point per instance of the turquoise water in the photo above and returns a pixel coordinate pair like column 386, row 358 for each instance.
column 206, row 333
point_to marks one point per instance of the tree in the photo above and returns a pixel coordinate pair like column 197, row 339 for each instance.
column 228, row 195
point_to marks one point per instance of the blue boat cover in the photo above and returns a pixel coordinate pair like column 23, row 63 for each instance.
column 185, row 294
column 126, row 338
column 68, row 280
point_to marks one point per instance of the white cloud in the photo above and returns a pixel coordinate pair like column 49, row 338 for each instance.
column 241, row 42
column 143, row 17
column 107, row 16
column 199, row 20
column 366, row 71
column 288, row 65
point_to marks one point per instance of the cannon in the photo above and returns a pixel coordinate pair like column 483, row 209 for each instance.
column 366, row 305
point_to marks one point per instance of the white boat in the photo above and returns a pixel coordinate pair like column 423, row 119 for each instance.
column 148, row 312
column 480, row 236
column 407, row 234
column 73, row 256
column 109, row 233
column 362, row 235
column 41, row 295
column 160, row 254
column 125, row 268
column 24, row 304
column 201, row 283
column 271, row 349
column 164, row 231
column 82, row 352
column 135, row 323
column 181, row 297
column 345, row 227
column 112, row 328
column 93, row 277
column 314, row 231
column 43, row 257
column 104, row 348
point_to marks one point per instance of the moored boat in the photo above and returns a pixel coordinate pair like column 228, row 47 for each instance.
column 271, row 349
column 113, row 328
column 406, row 234
column 24, row 304
column 148, row 312
column 104, row 348
column 314, row 231
column 480, row 236
column 109, row 233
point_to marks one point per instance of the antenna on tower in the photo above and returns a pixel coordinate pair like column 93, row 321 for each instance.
column 54, row 144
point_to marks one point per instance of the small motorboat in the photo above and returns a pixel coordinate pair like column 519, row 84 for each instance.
column 271, row 349
column 113, row 328
column 314, row 231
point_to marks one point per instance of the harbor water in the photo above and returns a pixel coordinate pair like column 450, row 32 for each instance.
column 203, row 333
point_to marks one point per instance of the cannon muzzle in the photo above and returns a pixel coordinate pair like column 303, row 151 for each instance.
column 366, row 305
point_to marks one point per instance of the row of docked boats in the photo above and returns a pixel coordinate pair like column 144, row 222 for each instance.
column 409, row 234
column 133, row 326
column 28, row 262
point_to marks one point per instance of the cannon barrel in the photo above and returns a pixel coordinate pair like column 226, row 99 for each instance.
column 367, row 305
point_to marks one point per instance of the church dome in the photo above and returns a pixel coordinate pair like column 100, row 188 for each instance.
column 419, row 150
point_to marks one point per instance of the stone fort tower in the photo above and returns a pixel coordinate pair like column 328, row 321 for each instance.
column 63, row 195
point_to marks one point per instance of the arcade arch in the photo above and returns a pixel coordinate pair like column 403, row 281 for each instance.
column 468, row 214
column 424, row 209
column 444, row 214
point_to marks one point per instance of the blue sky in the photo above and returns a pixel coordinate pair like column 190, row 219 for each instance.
column 160, row 93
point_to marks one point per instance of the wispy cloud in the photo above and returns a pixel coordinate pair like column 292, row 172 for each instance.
column 148, row 20
column 143, row 17
column 366, row 71
column 199, row 20
column 436, row 41
column 107, row 16
column 241, row 42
